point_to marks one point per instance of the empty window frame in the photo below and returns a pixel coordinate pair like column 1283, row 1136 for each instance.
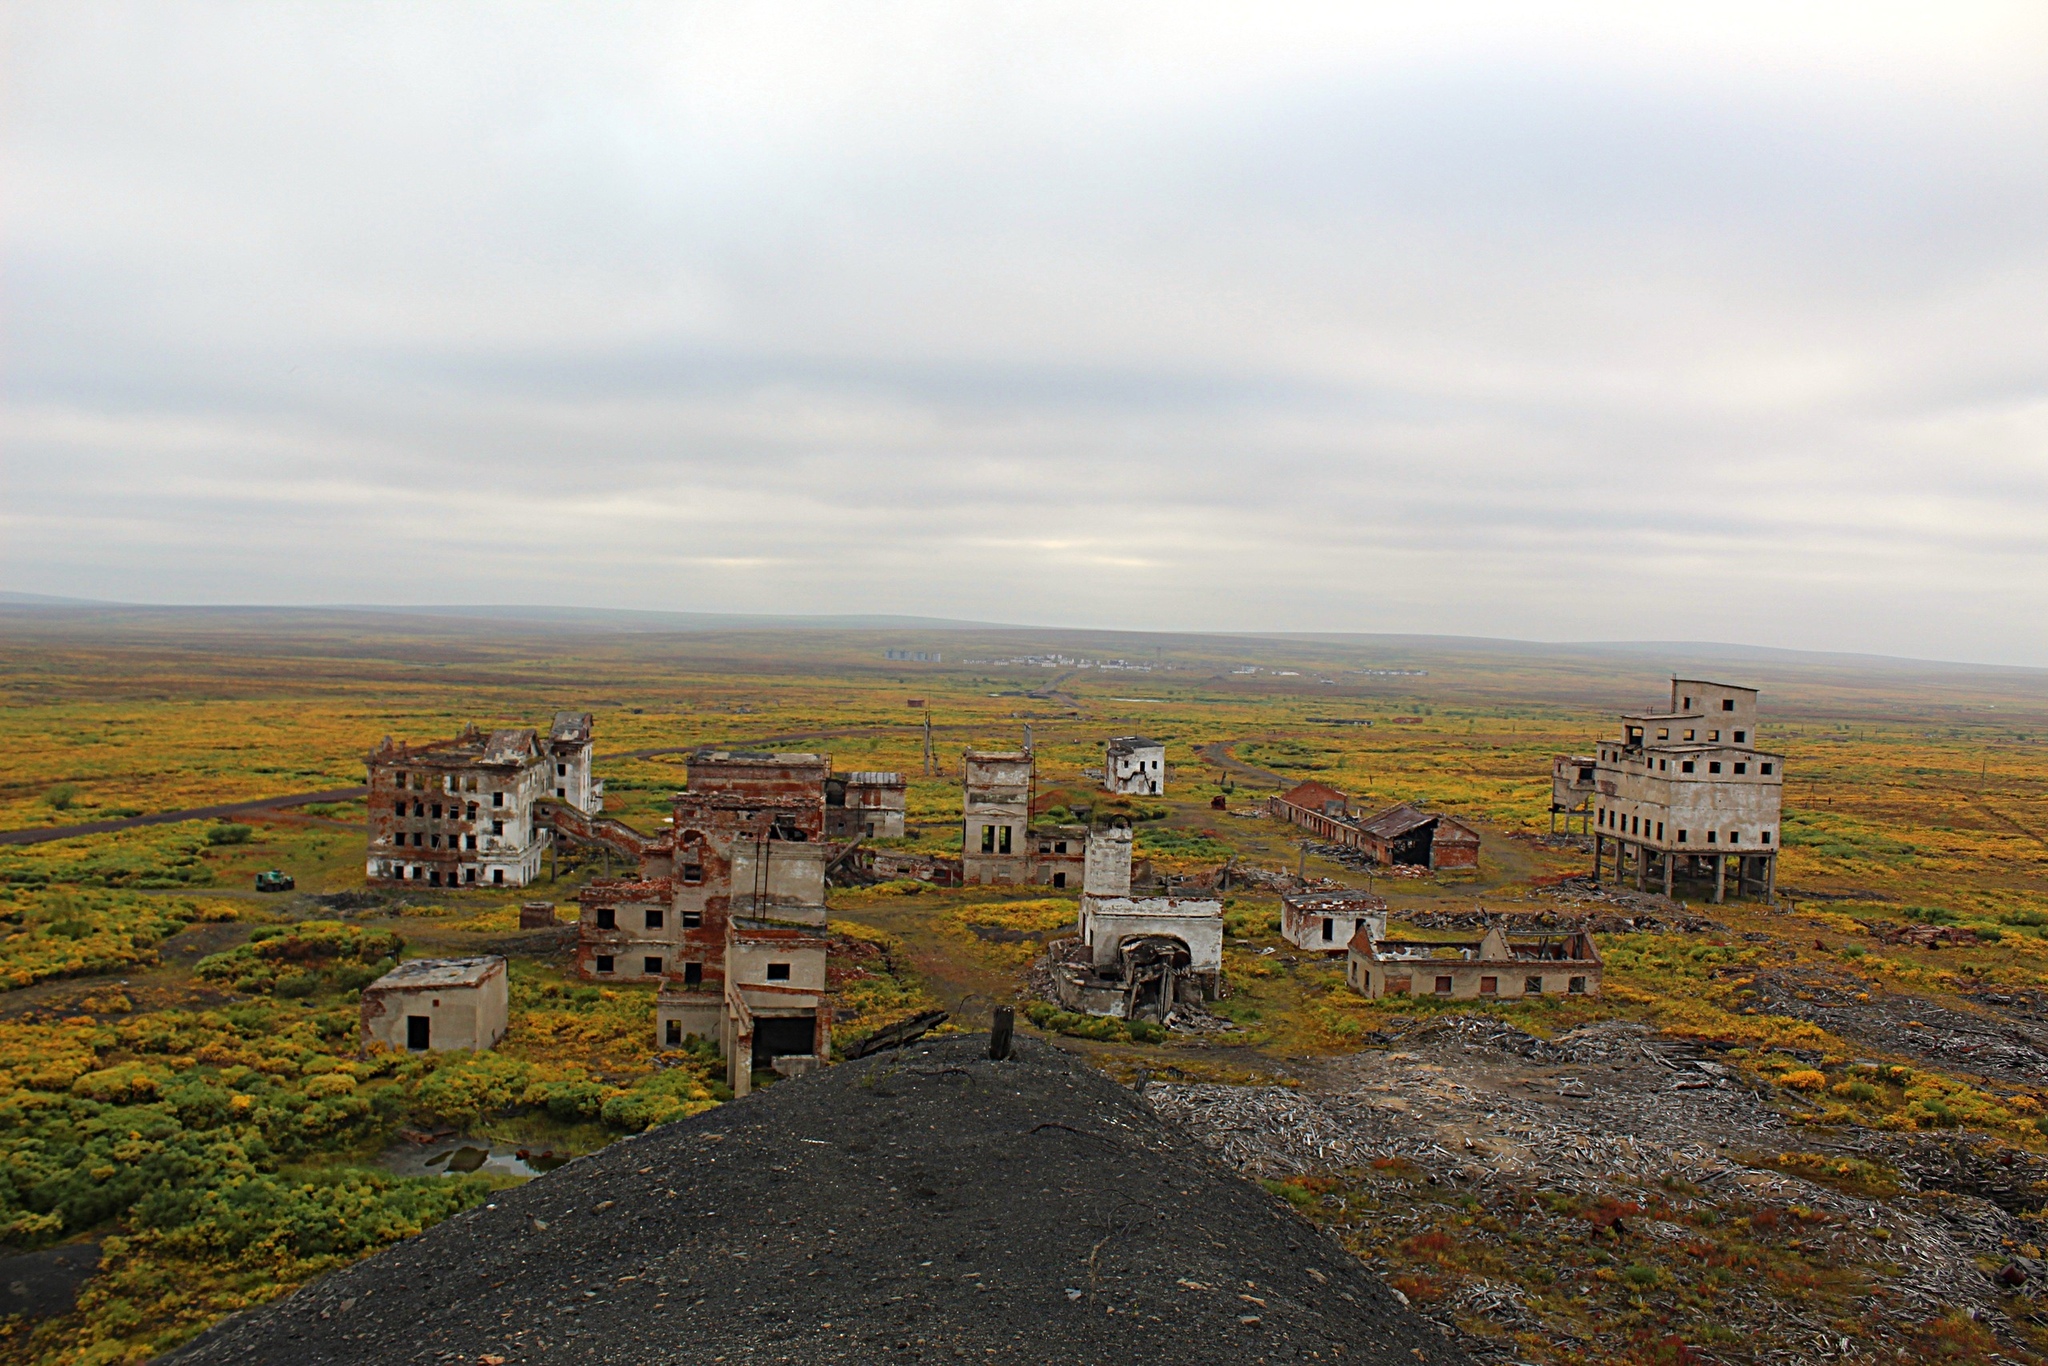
column 497, row 875
column 1763, row 837
column 693, row 874
column 1443, row 986
column 1713, row 765
column 1741, row 737
column 1764, row 769
column 1685, row 765
column 673, row 1033
column 1489, row 986
column 693, row 974
column 778, row 972
column 988, row 839
column 1532, row 986
column 497, row 799
column 604, row 962
column 654, row 920
column 1003, row 841
column 693, row 920
column 1727, row 704
column 607, row 918
column 1742, row 768
column 1576, row 987
column 651, row 966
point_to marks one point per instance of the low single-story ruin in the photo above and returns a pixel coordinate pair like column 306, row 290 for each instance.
column 437, row 1004
column 1325, row 922
column 1403, row 835
column 1499, row 965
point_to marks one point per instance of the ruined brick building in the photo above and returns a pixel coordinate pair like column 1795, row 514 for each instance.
column 1400, row 836
column 726, row 911
column 462, row 812
column 865, row 804
column 1686, row 792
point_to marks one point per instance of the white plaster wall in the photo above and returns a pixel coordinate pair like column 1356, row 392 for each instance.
column 1106, row 923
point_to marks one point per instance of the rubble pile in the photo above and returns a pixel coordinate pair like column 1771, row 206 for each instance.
column 1448, row 1115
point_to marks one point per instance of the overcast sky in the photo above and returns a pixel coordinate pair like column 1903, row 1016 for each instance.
column 1636, row 322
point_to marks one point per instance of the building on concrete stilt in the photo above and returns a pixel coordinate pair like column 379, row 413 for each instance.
column 1685, row 792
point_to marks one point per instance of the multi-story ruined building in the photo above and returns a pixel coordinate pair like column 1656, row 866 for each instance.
column 1134, row 766
column 458, row 813
column 1686, row 792
column 995, row 817
column 462, row 813
column 865, row 804
column 569, row 750
column 727, row 911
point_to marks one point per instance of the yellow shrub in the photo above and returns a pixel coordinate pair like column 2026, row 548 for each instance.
column 1805, row 1079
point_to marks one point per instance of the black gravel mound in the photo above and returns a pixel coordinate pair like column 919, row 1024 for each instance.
column 917, row 1206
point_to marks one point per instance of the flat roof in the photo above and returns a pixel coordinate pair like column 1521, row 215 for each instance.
column 438, row 972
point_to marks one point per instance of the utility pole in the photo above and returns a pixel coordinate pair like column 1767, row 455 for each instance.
column 930, row 760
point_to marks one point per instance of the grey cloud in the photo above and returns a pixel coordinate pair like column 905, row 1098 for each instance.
column 1344, row 319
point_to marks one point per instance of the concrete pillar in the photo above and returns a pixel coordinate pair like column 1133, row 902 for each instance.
column 1667, row 872
column 1599, row 841
column 1771, row 878
column 1642, row 864
column 1720, row 877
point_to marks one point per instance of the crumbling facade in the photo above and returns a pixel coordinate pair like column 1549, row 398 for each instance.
column 995, row 817
column 1318, row 808
column 570, row 747
column 1500, row 965
column 1686, row 792
column 1405, row 836
column 868, row 805
column 437, row 1004
column 458, row 813
column 1326, row 922
column 1572, row 787
column 1134, row 766
column 726, row 912
column 1400, row 836
column 1136, row 957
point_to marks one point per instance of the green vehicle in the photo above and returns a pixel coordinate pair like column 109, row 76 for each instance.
column 274, row 881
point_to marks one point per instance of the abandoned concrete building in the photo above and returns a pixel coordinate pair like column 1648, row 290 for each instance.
column 1403, row 836
column 995, row 817
column 1572, row 788
column 1325, row 922
column 1685, row 792
column 1134, row 766
column 458, row 813
column 437, row 1004
column 726, row 911
column 1499, row 965
column 865, row 804
column 570, row 745
column 1400, row 836
column 1135, row 957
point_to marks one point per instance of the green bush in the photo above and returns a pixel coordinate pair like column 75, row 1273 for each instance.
column 60, row 797
column 227, row 832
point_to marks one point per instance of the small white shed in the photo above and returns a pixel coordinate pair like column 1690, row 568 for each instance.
column 438, row 1004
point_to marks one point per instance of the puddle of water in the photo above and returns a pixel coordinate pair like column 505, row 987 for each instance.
column 458, row 1156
